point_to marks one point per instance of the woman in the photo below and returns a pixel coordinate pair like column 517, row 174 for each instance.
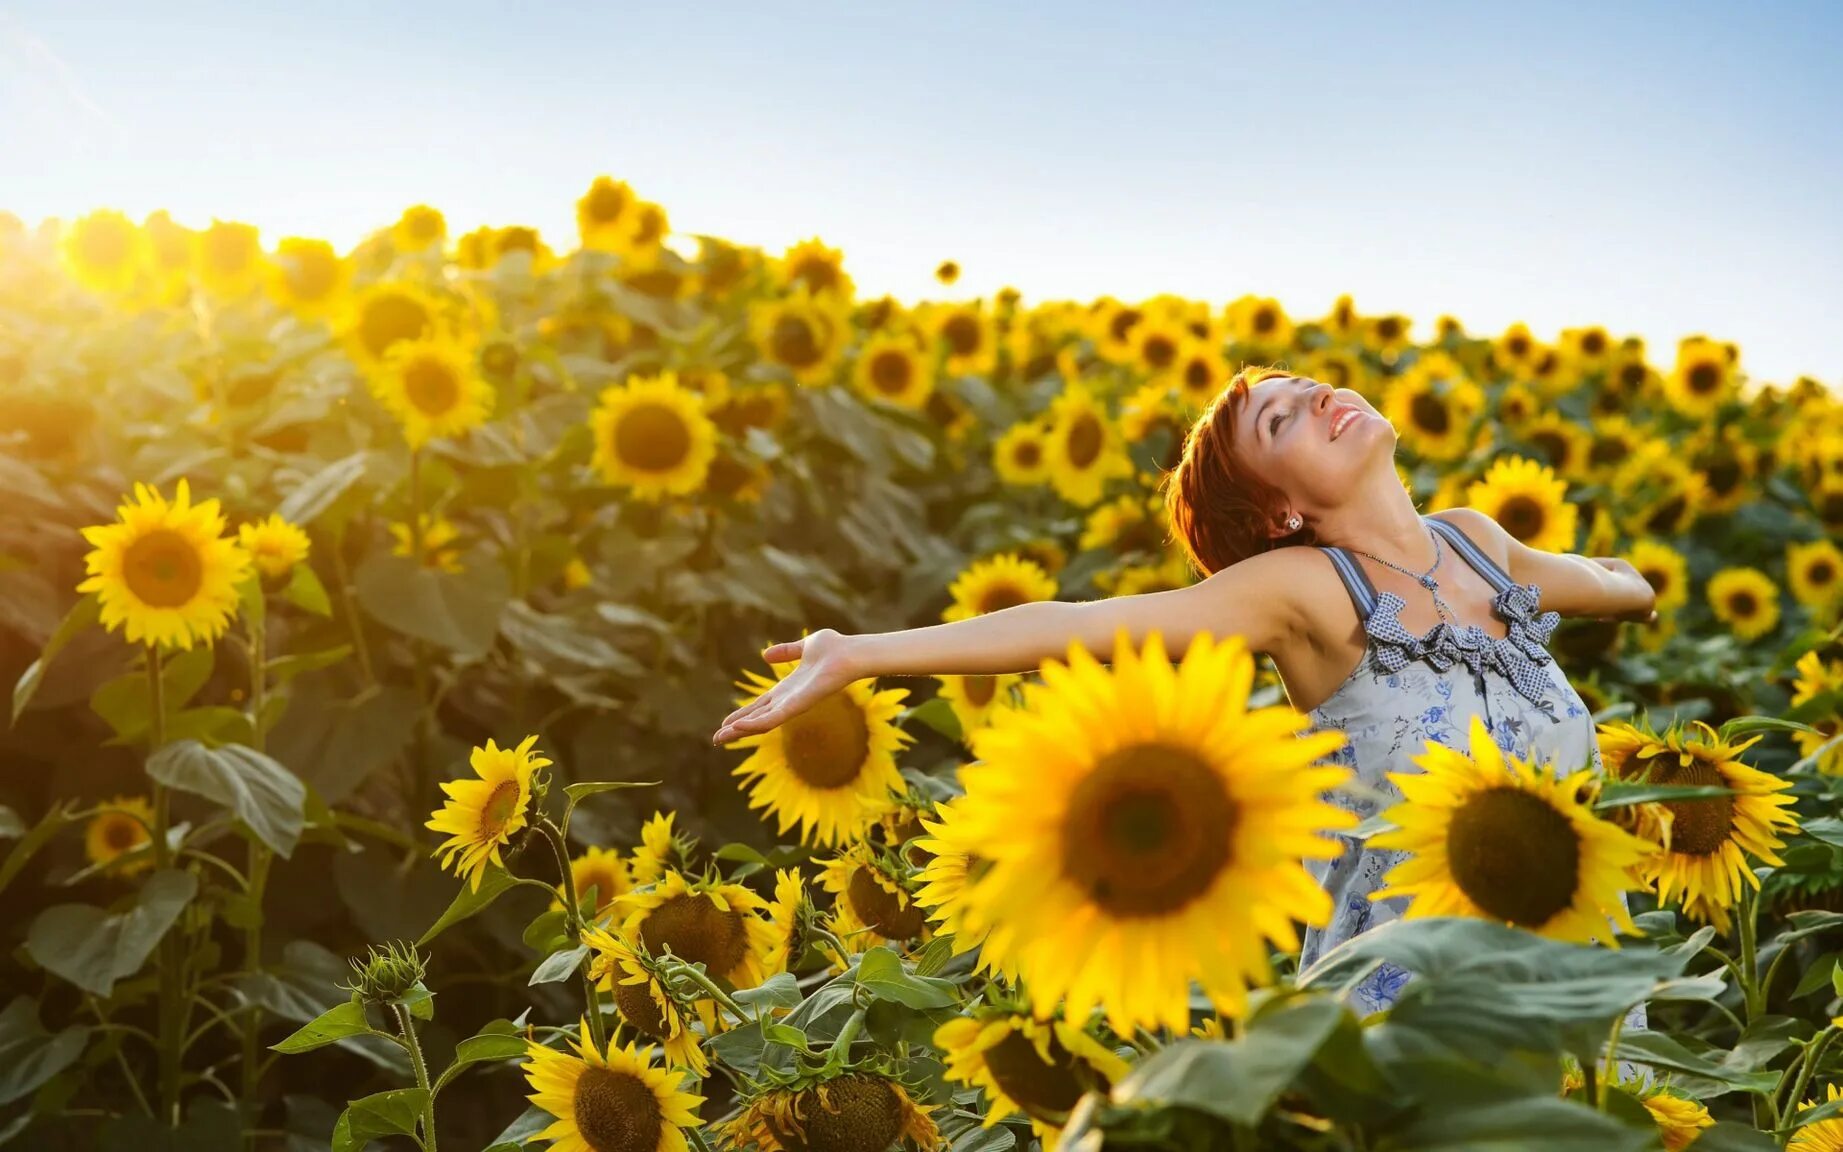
column 1391, row 626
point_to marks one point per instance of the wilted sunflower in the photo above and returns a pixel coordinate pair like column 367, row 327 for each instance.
column 1706, row 842
column 1029, row 1066
column 612, row 1103
column 307, row 277
column 1529, row 501
column 1563, row 442
column 803, row 333
column 1085, row 447
column 1434, row 406
column 165, row 573
column 873, row 901
column 967, row 338
column 1702, row 379
column 1815, row 573
column 819, row 268
column 1823, row 1136
column 104, row 251
column 855, row 1111
column 481, row 816
column 274, row 545
column 1746, row 600
column 1816, row 677
column 653, row 436
column 605, row 214
column 1144, row 829
column 434, row 388
column 118, row 828
column 996, row 583
column 831, row 768
column 600, row 869
column 386, row 314
column 640, row 997
column 441, row 547
column 711, row 922
column 229, row 258
column 1499, row 838
column 419, row 228
column 974, row 698
column 1021, row 454
column 1665, row 569
column 892, row 369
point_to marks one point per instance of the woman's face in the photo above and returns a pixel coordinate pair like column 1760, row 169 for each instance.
column 1314, row 442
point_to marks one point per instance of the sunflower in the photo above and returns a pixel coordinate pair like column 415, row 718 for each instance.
column 419, row 228
column 892, row 369
column 1665, row 569
column 612, row 1103
column 1024, row 1065
column 165, row 572
column 119, row 827
column 996, row 583
column 441, row 547
column 787, row 913
column 1434, row 406
column 801, row 332
column 274, row 545
column 1550, row 372
column 711, row 922
column 1085, row 447
column 1589, row 346
column 653, row 436
column 1515, row 348
column 307, row 277
column 434, row 387
column 1628, row 379
column 660, row 850
column 1658, row 492
column 601, row 869
column 1260, row 323
column 1705, row 842
column 229, row 258
column 1815, row 573
column 481, row 816
column 1145, row 830
column 1499, row 838
column 967, row 337
column 821, row 270
column 1563, row 443
column 172, row 248
column 1342, row 322
column 641, row 998
column 1727, row 463
column 1021, row 454
column 1110, row 326
column 1045, row 553
column 952, row 862
column 1616, row 441
column 1679, row 1120
column 1815, row 678
column 873, row 902
column 857, row 1110
column 1127, row 525
column 1137, row 579
column 1516, row 405
column 947, row 271
column 104, row 251
column 830, row 769
column 1152, row 407
column 1159, row 344
column 386, row 314
column 1746, row 600
column 1529, row 501
column 1702, row 379
column 973, row 699
column 576, row 574
column 1387, row 335
column 757, row 404
column 605, row 216
column 1202, row 373
column 1823, row 1136
column 520, row 241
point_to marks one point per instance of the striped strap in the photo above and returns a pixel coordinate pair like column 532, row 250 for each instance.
column 1487, row 567
column 1356, row 581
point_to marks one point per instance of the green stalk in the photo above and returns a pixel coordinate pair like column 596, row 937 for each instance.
column 405, row 1022
column 572, row 926
column 171, row 1028
column 259, row 860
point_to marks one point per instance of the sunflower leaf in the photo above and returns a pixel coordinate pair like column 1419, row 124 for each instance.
column 1618, row 794
column 498, row 1040
column 1748, row 725
column 559, row 965
column 457, row 611
column 82, row 614
column 306, row 592
column 469, row 901
column 265, row 796
column 330, row 1027
column 882, row 972
column 93, row 948
column 392, row 1113
column 29, row 1054
column 1238, row 1080
column 313, row 495
column 55, row 820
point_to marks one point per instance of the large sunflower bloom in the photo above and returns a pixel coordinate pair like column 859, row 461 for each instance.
column 481, row 816
column 784, row 913
column 1145, row 830
column 434, row 388
column 118, row 828
column 1038, row 1068
column 1085, row 447
column 1529, row 501
column 165, row 573
column 104, row 251
column 660, row 850
column 1434, row 406
column 709, row 922
column 1823, row 1136
column 872, row 903
column 1706, row 842
column 605, row 214
column 952, row 862
column 856, row 1111
column 1701, row 380
column 1746, row 600
column 996, row 583
column 1499, row 838
column 892, row 369
column 653, row 436
column 307, row 277
column 612, row 1103
column 641, row 998
column 967, row 338
column 831, row 769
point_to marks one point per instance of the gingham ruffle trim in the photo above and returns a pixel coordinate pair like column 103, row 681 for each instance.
column 1519, row 656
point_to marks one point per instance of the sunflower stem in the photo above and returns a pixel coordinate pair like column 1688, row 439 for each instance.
column 677, row 966
column 414, row 1048
column 1612, row 1055
column 1750, row 959
column 841, row 1047
column 1814, row 1052
column 572, row 926
column 170, row 1027
column 259, row 859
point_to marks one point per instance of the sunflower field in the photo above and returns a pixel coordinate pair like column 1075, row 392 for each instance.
column 367, row 616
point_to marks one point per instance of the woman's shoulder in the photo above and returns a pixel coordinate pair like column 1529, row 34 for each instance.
column 1481, row 529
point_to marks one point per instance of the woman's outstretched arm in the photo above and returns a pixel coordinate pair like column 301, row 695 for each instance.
column 1254, row 599
column 1602, row 587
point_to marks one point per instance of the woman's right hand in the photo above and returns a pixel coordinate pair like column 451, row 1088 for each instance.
column 824, row 669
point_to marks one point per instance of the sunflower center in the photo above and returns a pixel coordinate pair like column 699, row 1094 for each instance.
column 389, row 319
column 1123, row 322
column 501, row 805
column 639, row 1008
column 603, row 882
column 1388, row 328
column 1044, row 1090
column 1704, row 378
column 1608, row 451
column 1001, row 596
column 861, row 1113
column 1723, row 475
column 1820, row 574
column 1085, row 439
column 425, row 226
column 1743, row 604
column 1517, row 346
column 962, row 334
column 227, row 250
column 1148, row 830
column 826, row 745
column 431, row 386
column 1593, row 343
column 979, row 689
column 652, row 438
column 818, row 275
column 697, row 931
column 1514, row 856
column 617, row 1112
column 881, row 909
column 607, row 203
column 891, row 372
column 1159, row 352
column 1554, row 446
column 1631, row 375
column 1265, row 320
column 1658, row 578
column 517, row 238
column 311, row 275
column 1522, row 517
column 794, row 342
column 1197, row 374
column 1430, row 413
column 1697, row 827
column 122, row 833
column 163, row 569
column 1028, row 454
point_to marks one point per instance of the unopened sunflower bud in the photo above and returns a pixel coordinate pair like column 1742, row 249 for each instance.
column 387, row 975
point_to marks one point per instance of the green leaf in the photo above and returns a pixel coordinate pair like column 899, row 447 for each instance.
column 781, row 990
column 1748, row 725
column 1238, row 1080
column 546, row 933
column 547, row 637
column 306, row 592
column 560, row 965
column 1618, row 794
column 55, row 820
column 785, row 1034
column 498, row 1040
column 393, row 1113
column 419, row 1000
column 1661, row 1051
column 93, row 948
column 1836, row 978
column 1828, row 829
column 30, row 1055
column 1732, row 1136
column 1819, row 975
column 494, row 883
column 881, row 972
column 1540, row 1124
column 456, row 611
column 337, row 744
column 314, row 494
column 285, row 668
column 330, row 1027
column 937, row 714
column 267, row 797
column 82, row 614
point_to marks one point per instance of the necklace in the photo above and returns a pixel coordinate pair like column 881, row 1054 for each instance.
column 1425, row 579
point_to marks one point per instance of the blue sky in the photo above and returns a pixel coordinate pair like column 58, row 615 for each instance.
column 1658, row 168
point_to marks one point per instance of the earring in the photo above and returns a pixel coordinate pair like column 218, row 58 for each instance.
column 1293, row 523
